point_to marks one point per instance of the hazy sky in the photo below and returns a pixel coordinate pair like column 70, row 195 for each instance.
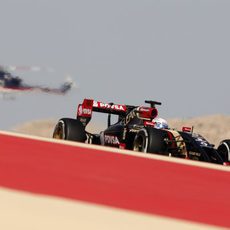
column 125, row 51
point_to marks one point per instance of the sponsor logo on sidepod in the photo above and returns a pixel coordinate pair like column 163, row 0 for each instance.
column 113, row 140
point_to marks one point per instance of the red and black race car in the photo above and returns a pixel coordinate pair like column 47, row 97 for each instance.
column 136, row 129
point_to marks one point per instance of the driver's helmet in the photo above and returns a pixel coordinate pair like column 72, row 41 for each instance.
column 160, row 123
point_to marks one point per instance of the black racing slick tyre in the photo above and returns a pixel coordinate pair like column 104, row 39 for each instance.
column 70, row 129
column 224, row 150
column 151, row 140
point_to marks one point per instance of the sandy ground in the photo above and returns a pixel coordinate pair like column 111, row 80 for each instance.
column 26, row 211
column 214, row 127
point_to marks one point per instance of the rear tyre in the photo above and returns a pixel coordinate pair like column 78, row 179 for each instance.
column 224, row 150
column 70, row 129
column 151, row 140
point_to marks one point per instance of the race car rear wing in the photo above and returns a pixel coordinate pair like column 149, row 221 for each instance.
column 84, row 111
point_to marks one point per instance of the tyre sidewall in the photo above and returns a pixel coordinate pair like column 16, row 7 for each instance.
column 224, row 150
column 156, row 141
column 153, row 140
column 73, row 130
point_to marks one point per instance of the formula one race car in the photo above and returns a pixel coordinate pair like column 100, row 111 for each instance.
column 136, row 128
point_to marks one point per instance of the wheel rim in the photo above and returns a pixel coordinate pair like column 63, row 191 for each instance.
column 138, row 145
column 224, row 151
column 59, row 132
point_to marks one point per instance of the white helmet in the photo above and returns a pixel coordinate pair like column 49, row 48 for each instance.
column 160, row 123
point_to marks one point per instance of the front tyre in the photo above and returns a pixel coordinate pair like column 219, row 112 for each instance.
column 70, row 129
column 151, row 140
column 224, row 150
column 140, row 143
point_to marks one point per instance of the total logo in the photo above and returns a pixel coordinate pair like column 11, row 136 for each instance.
column 87, row 111
column 84, row 111
column 108, row 106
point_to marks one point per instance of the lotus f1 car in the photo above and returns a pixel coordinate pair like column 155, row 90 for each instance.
column 135, row 130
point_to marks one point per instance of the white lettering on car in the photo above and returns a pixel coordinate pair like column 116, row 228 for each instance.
column 108, row 106
column 87, row 111
column 111, row 140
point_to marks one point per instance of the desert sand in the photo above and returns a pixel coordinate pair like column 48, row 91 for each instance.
column 213, row 127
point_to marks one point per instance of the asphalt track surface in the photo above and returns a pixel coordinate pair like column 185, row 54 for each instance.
column 112, row 185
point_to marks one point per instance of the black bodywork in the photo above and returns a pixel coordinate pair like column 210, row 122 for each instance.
column 198, row 148
column 134, row 130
